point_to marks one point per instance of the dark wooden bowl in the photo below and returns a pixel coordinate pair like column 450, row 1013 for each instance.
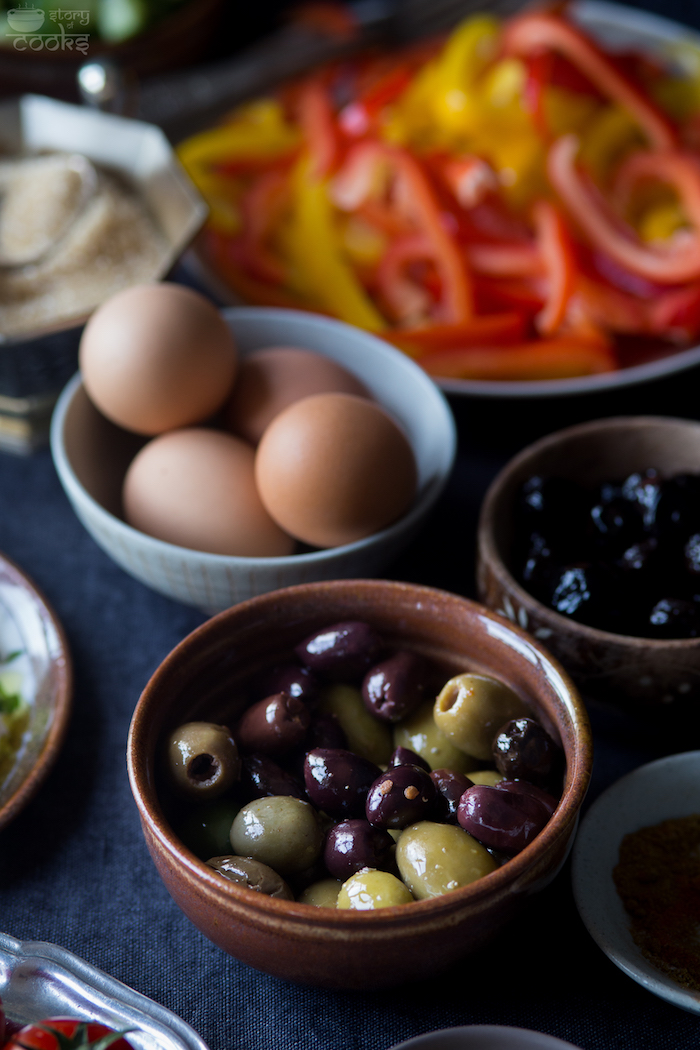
column 638, row 673
column 322, row 946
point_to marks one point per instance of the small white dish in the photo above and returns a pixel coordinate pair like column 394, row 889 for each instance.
column 661, row 790
column 485, row 1037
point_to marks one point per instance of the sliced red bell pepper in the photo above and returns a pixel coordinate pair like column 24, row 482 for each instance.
column 680, row 171
column 547, row 69
column 527, row 296
column 470, row 179
column 531, row 33
column 560, row 358
column 409, row 195
column 358, row 116
column 506, row 260
column 251, row 289
column 675, row 315
column 318, row 126
column 610, row 308
column 405, row 300
column 488, row 330
column 261, row 206
column 558, row 256
column 678, row 262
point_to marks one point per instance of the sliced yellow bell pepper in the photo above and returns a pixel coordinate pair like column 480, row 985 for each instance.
column 609, row 135
column 258, row 129
column 317, row 266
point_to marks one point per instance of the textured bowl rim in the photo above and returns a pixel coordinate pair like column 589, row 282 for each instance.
column 273, row 910
column 470, row 1037
column 490, row 554
column 423, row 502
column 58, row 728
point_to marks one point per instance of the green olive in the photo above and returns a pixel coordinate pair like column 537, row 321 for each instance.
column 471, row 708
column 421, row 734
column 489, row 777
column 252, row 875
column 206, row 829
column 369, row 889
column 323, row 894
column 279, row 830
column 202, row 760
column 436, row 858
column 367, row 736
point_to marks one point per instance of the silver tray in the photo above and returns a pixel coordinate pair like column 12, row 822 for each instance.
column 40, row 980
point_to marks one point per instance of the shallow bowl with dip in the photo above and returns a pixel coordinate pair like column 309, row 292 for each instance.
column 662, row 790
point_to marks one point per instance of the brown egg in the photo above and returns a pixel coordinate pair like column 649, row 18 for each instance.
column 157, row 356
column 196, row 488
column 334, row 468
column 271, row 378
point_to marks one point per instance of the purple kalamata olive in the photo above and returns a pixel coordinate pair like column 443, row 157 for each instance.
column 274, row 725
column 451, row 786
column 355, row 844
column 523, row 750
column 337, row 781
column 403, row 756
column 341, row 652
column 401, row 796
column 289, row 678
column 262, row 777
column 394, row 688
column 506, row 821
column 525, row 788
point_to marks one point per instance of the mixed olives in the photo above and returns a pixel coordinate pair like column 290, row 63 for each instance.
column 623, row 556
column 345, row 783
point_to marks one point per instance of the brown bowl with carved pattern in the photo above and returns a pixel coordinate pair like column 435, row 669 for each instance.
column 328, row 947
column 640, row 674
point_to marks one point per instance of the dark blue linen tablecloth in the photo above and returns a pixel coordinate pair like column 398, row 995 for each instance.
column 73, row 866
column 74, row 869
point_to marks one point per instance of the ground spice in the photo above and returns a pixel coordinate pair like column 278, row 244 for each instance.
column 658, row 880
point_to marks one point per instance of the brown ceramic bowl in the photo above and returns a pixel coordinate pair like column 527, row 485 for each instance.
column 322, row 946
column 639, row 673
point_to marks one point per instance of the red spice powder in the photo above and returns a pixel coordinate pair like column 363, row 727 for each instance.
column 658, row 879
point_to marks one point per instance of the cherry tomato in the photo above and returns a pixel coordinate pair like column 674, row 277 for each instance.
column 60, row 1033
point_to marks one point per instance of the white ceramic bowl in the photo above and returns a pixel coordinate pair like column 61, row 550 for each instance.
column 91, row 455
column 485, row 1037
column 661, row 790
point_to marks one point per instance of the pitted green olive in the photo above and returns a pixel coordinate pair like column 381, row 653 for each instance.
column 281, row 831
column 489, row 777
column 367, row 736
column 470, row 710
column 202, row 760
column 436, row 858
column 323, row 894
column 420, row 733
column 369, row 889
